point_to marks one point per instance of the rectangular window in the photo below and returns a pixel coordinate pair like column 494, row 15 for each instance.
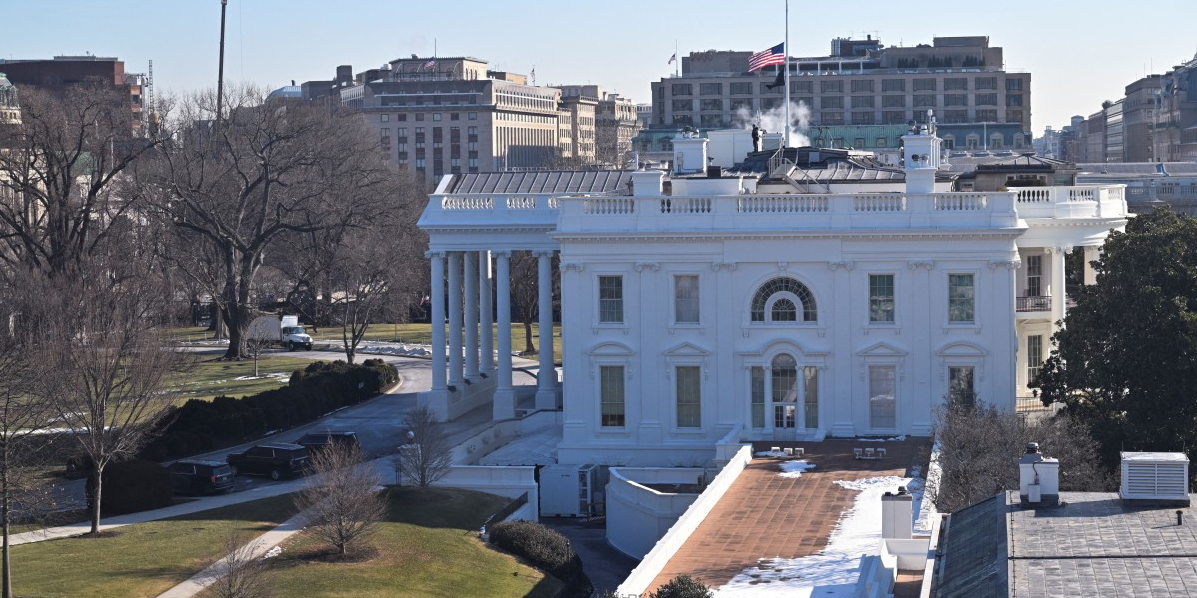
column 1034, row 276
column 811, row 396
column 689, row 397
column 985, row 83
column 831, row 87
column 385, row 117
column 960, row 298
column 710, row 89
column 611, row 299
column 955, row 99
column 893, row 101
column 882, row 400
column 472, row 116
column 881, row 297
column 683, row 105
column 986, row 99
column 862, row 101
column 757, row 383
column 861, row 118
column 1013, row 84
column 681, row 89
column 893, row 85
column 419, row 117
column 685, row 299
column 893, row 117
column 831, row 118
column 833, row 102
column 955, row 84
column 1014, row 116
column 741, row 89
column 611, row 396
column 1014, row 99
column 711, row 104
column 960, row 386
column 865, row 86
column 924, row 100
column 436, row 116
column 924, row 84
column 1034, row 356
column 987, row 116
column 955, row 116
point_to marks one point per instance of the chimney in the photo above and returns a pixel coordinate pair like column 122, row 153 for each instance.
column 689, row 153
column 897, row 514
column 1038, row 478
column 647, row 183
column 922, row 154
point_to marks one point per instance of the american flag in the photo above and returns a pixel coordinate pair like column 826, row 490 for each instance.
column 430, row 64
column 764, row 58
column 672, row 59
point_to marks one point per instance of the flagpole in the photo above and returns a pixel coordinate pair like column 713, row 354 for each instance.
column 676, row 60
column 786, row 50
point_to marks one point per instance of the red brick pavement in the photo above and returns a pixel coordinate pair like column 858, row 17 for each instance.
column 764, row 515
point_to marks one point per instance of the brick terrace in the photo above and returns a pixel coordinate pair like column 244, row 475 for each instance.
column 764, row 515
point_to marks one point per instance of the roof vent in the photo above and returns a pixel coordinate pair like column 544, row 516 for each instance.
column 1038, row 478
column 1155, row 478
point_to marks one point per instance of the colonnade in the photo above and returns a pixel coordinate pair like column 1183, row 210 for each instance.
column 470, row 347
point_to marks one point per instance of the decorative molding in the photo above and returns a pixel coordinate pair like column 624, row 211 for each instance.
column 575, row 266
column 544, row 253
column 916, row 264
column 783, row 265
column 501, row 253
column 847, row 265
column 641, row 266
column 717, row 266
column 432, row 254
column 1009, row 264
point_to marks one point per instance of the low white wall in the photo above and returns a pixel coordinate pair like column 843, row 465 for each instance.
column 637, row 516
column 509, row 481
column 909, row 553
column 648, row 569
column 727, row 446
column 470, row 450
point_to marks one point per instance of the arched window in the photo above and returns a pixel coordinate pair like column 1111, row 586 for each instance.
column 778, row 299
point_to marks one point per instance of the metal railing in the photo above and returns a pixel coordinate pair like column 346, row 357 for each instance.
column 1037, row 303
column 1031, row 405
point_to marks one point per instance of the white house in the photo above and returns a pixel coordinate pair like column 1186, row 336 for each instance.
column 822, row 295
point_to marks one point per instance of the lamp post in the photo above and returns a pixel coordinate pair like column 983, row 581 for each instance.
column 220, row 72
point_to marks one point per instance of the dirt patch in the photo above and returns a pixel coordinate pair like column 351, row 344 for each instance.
column 108, row 533
column 361, row 554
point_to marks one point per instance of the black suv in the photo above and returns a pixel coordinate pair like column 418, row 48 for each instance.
column 275, row 459
column 319, row 440
column 200, row 477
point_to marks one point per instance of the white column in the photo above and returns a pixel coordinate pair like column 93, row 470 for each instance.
column 455, row 377
column 487, row 366
column 546, row 392
column 1091, row 255
column 471, row 315
column 504, row 404
column 436, row 315
column 1057, row 288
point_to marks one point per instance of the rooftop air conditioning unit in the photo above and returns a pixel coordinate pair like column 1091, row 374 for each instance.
column 1158, row 478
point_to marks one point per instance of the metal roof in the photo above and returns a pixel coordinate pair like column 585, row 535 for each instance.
column 1016, row 162
column 543, row 181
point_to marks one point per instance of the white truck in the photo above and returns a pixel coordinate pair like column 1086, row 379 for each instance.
column 283, row 330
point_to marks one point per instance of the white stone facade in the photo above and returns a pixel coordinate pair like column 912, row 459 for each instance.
column 686, row 320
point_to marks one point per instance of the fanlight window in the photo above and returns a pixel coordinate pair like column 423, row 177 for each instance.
column 779, row 299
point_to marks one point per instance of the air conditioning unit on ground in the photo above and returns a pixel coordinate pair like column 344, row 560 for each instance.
column 1156, row 478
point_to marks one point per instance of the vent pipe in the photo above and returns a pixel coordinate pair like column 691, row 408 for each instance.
column 1038, row 478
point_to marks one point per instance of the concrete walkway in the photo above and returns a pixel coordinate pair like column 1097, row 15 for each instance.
column 257, row 549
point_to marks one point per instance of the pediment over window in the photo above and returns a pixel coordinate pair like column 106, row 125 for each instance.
column 962, row 349
column 611, row 349
column 687, row 350
column 882, row 350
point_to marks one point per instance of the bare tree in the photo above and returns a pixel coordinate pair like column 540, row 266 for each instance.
column 525, row 292
column 255, row 346
column 59, row 170
column 427, row 456
column 341, row 503
column 979, row 447
column 273, row 169
column 240, row 574
column 103, row 362
column 366, row 280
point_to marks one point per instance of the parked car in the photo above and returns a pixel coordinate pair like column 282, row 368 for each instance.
column 319, row 440
column 200, row 477
column 275, row 459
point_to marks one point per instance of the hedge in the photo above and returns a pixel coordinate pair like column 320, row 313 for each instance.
column 133, row 486
column 546, row 549
column 321, row 388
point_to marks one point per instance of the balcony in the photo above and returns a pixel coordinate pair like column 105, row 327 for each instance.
column 1086, row 201
column 1038, row 303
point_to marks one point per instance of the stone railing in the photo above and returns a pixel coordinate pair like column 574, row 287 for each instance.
column 1086, row 201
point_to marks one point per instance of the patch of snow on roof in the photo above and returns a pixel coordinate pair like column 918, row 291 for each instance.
column 794, row 469
column 833, row 572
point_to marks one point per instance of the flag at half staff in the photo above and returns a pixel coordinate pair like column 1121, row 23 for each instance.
column 672, row 59
column 764, row 58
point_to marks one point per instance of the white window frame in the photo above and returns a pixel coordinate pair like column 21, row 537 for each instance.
column 698, row 299
column 945, row 293
column 676, row 397
column 868, row 281
column 869, row 396
column 623, row 300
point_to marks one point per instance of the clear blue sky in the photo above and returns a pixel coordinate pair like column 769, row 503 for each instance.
column 1079, row 53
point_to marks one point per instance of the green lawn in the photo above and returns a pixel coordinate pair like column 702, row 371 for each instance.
column 429, row 547
column 142, row 560
column 211, row 378
column 421, row 334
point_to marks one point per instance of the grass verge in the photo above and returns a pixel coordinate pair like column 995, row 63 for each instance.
column 428, row 546
column 210, row 378
column 145, row 559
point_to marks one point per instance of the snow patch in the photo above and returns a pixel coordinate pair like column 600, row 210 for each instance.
column 833, row 572
column 273, row 552
column 794, row 469
column 894, row 439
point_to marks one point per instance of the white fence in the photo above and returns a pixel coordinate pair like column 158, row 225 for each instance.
column 638, row 516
